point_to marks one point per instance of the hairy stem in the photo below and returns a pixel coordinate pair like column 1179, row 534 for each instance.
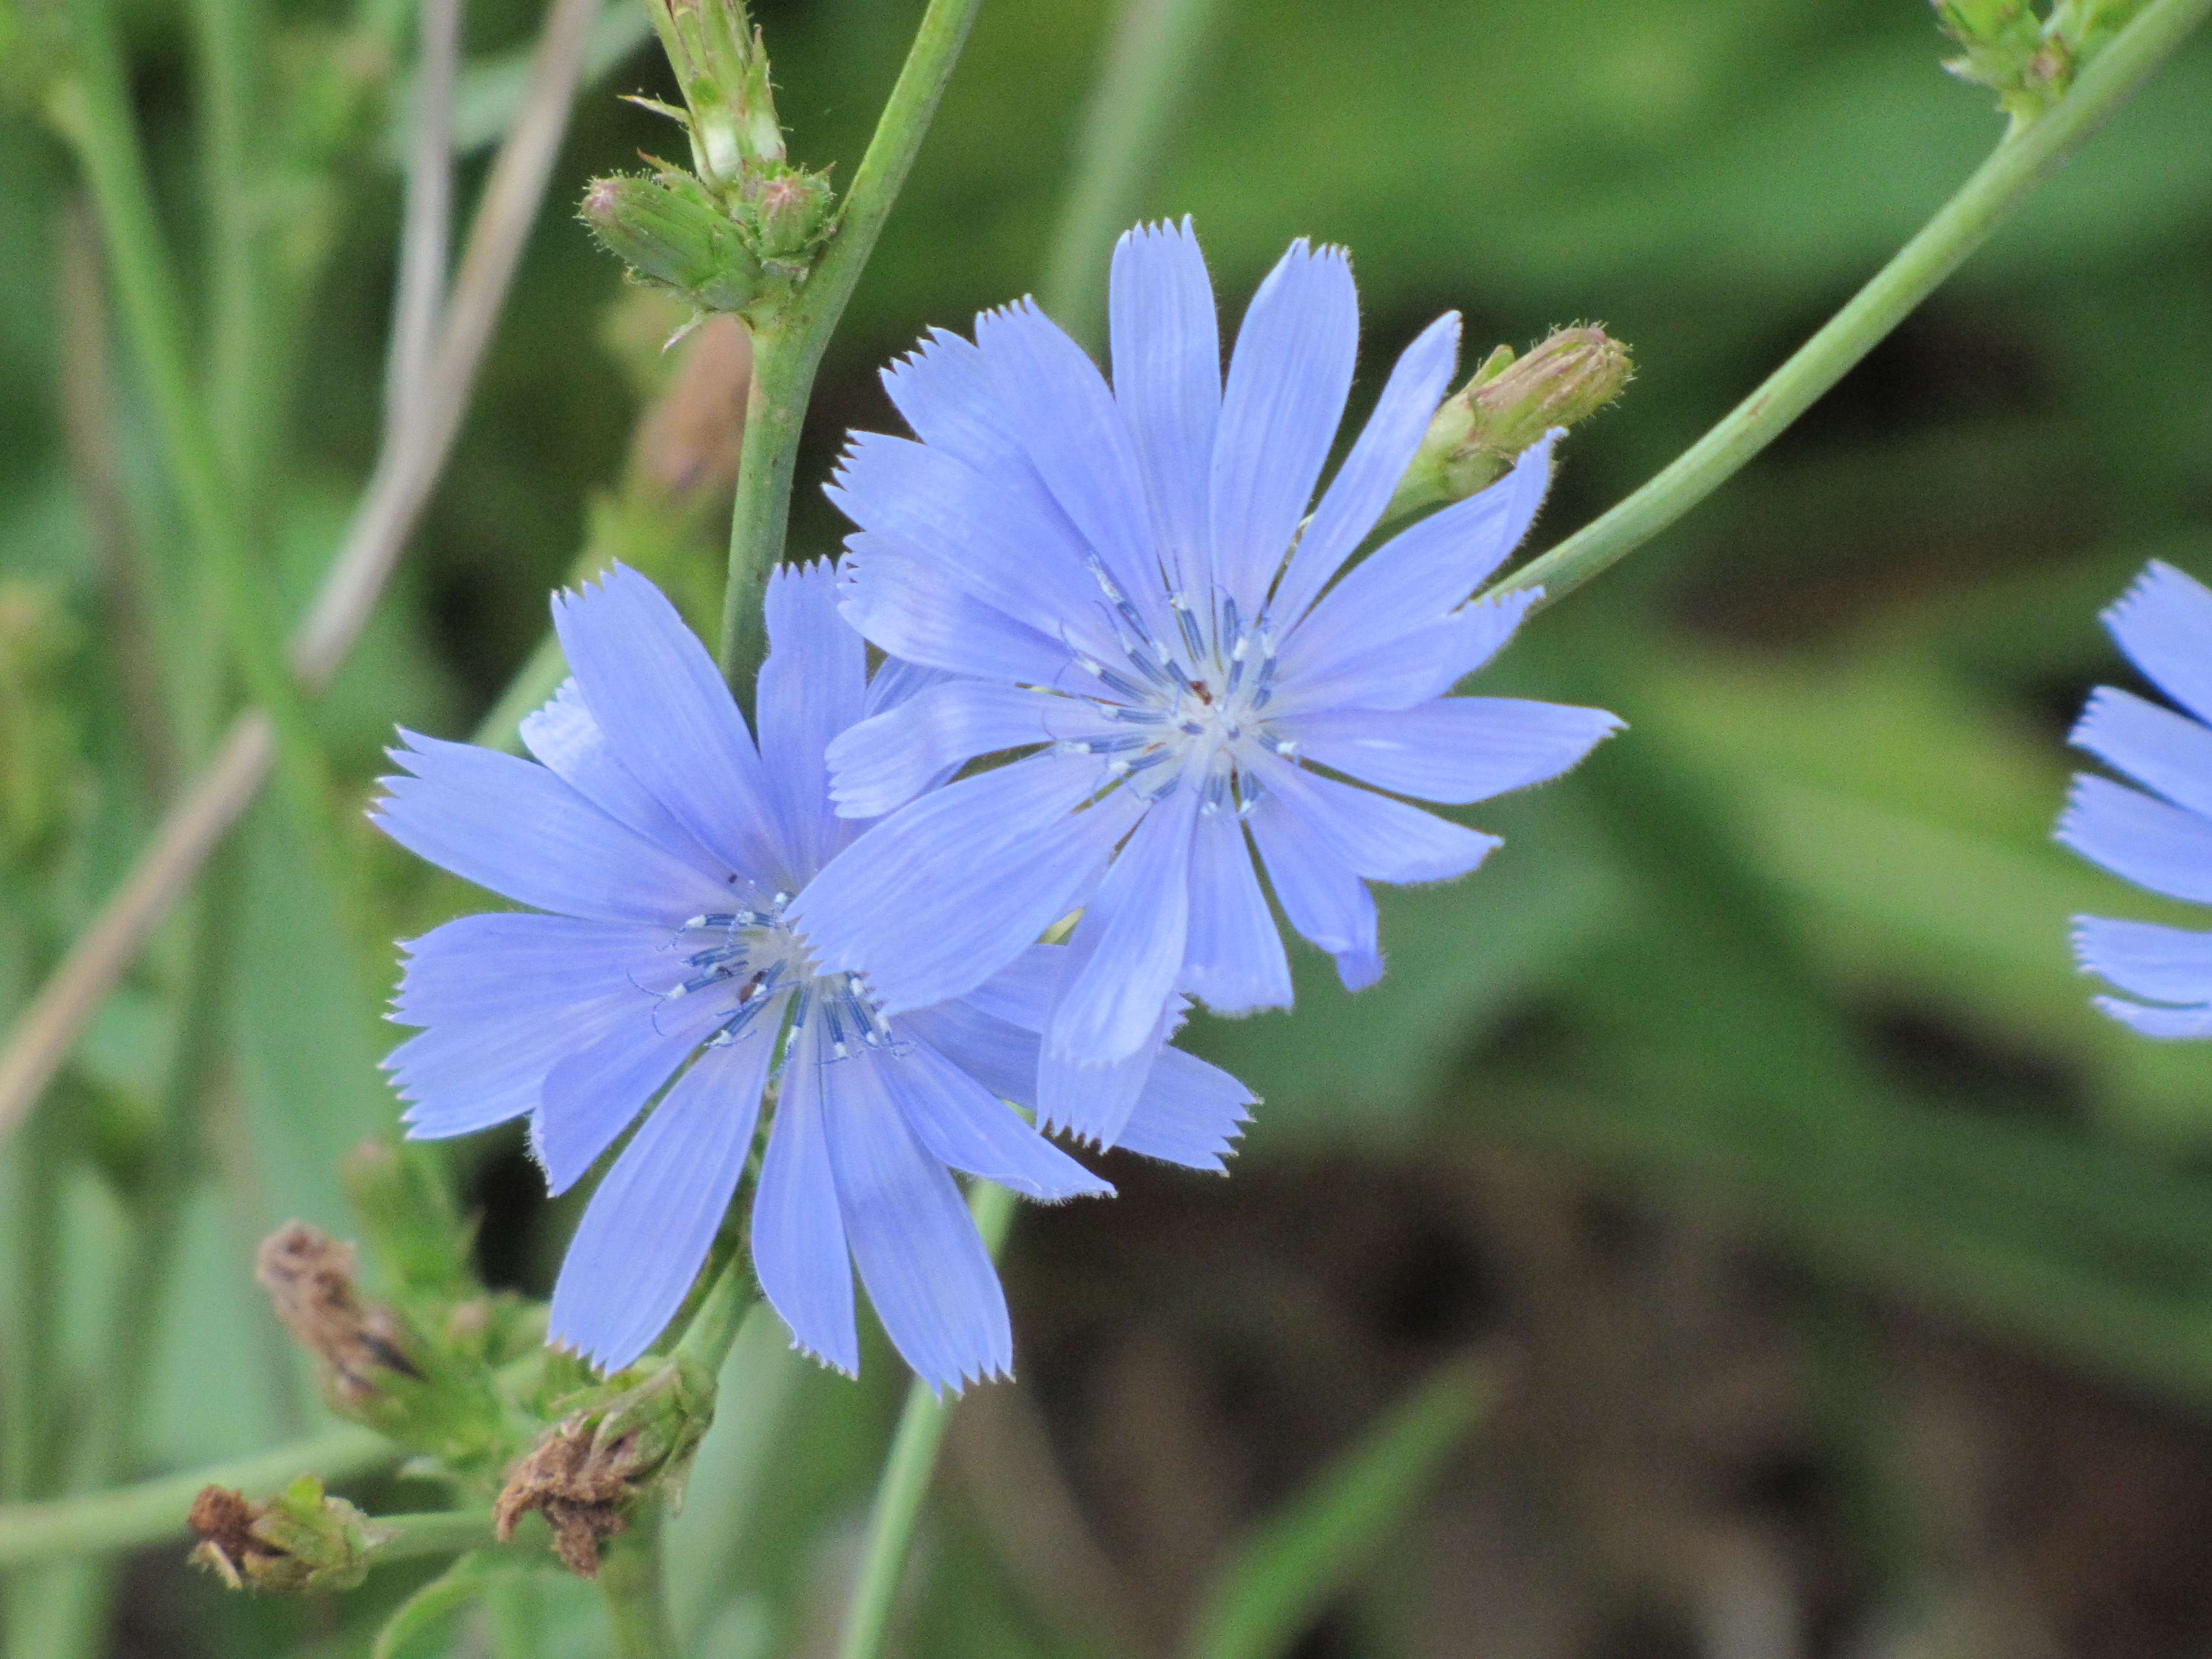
column 787, row 353
column 907, row 1473
column 2024, row 158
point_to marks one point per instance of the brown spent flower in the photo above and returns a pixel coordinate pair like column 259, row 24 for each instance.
column 224, row 1521
column 309, row 1277
column 303, row 1539
column 580, row 1487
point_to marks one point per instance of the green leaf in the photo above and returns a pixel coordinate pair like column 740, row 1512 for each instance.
column 1297, row 1559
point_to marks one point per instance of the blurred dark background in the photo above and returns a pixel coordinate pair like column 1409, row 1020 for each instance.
column 1845, row 1281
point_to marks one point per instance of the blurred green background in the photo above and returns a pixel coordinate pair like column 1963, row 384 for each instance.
column 1844, row 1282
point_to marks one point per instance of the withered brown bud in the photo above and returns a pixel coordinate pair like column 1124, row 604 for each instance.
column 586, row 1470
column 303, row 1539
column 309, row 1277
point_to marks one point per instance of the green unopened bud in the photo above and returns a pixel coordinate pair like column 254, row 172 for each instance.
column 790, row 209
column 720, row 64
column 407, row 1216
column 637, row 1430
column 1509, row 403
column 669, row 231
column 303, row 1539
column 2006, row 47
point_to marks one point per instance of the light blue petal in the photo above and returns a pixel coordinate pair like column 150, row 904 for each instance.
column 2166, row 964
column 998, row 1055
column 895, row 681
column 1414, row 668
column 591, row 1095
column 2158, row 1022
column 812, row 686
column 1126, row 951
column 1092, row 1100
column 798, row 1235
column 2141, row 837
column 2156, row 747
column 668, row 717
column 915, row 609
column 517, row 829
column 469, row 1075
column 935, row 899
column 926, row 1271
column 1323, row 900
column 648, row 1229
column 508, row 962
column 1078, row 443
column 1455, row 748
column 882, row 763
column 946, row 394
column 1233, row 960
column 1021, row 993
column 1029, row 565
column 1288, row 379
column 2164, row 622
column 1167, row 380
column 1363, row 484
column 1373, row 835
column 1190, row 1113
column 1419, row 574
column 965, row 1125
column 569, row 741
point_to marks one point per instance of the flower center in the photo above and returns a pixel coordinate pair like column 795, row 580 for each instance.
column 1193, row 702
column 751, row 958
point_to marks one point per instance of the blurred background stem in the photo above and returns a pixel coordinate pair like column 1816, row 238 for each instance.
column 632, row 1584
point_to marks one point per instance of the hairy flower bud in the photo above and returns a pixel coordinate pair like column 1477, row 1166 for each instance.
column 638, row 1429
column 1509, row 404
column 669, row 232
column 790, row 209
column 2027, row 60
column 301, row 1540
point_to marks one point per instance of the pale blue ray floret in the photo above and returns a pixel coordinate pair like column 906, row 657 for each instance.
column 2162, row 840
column 670, row 852
column 1137, row 582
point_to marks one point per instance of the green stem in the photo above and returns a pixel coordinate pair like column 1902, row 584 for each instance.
column 227, row 36
column 632, row 1584
column 92, row 110
column 436, row 1532
column 1149, row 56
column 787, row 352
column 907, row 1472
column 1998, row 187
column 707, row 1338
column 102, row 1523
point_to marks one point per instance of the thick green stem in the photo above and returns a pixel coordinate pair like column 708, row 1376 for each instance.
column 1998, row 187
column 787, row 352
column 907, row 1473
column 1150, row 55
column 102, row 1523
column 632, row 1585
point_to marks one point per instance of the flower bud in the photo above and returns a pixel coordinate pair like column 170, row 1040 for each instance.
column 722, row 69
column 301, row 1540
column 638, row 1429
column 2006, row 49
column 668, row 230
column 790, row 209
column 1508, row 404
column 309, row 1277
column 407, row 1216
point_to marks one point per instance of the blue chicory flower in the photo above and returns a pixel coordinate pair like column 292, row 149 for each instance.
column 2161, row 841
column 669, row 851
column 1128, row 577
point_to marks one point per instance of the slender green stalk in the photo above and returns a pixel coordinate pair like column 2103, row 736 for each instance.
column 707, row 1338
column 436, row 1532
column 907, row 1473
column 631, row 1583
column 787, row 353
column 1149, row 56
column 2024, row 159
column 92, row 110
column 227, row 36
column 103, row 1523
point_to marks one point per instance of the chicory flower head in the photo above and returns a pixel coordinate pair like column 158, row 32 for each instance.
column 669, row 853
column 1129, row 577
column 2163, row 839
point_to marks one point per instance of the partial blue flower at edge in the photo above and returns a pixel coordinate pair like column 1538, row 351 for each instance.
column 1127, row 579
column 668, row 850
column 2161, row 839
